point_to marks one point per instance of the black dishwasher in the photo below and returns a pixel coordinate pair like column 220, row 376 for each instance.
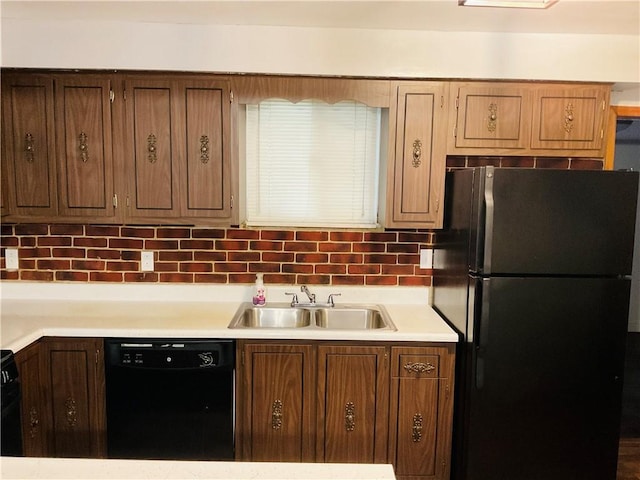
column 170, row 399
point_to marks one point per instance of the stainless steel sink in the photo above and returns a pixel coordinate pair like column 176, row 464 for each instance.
column 249, row 316
column 354, row 318
column 283, row 316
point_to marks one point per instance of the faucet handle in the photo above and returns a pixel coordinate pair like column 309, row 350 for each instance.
column 330, row 299
column 294, row 300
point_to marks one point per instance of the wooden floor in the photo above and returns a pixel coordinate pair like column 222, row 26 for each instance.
column 629, row 453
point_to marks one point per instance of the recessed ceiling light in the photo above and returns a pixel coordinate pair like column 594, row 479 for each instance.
column 508, row 3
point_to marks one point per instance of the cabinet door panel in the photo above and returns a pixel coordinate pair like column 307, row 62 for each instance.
column 278, row 412
column 353, row 414
column 207, row 175
column 83, row 112
column 28, row 139
column 153, row 150
column 33, row 403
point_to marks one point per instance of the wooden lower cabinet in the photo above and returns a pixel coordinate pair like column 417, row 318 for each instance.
column 422, row 381
column 348, row 402
column 63, row 405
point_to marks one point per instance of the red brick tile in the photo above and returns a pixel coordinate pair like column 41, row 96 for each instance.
column 519, row 162
column 552, row 162
column 381, row 280
column 397, row 269
column 231, row 245
column 330, row 269
column 4, row 275
column 312, row 257
column 245, row 278
column 369, row 247
column 230, row 267
column 161, row 244
column 126, row 243
column 380, row 236
column 102, row 231
column 402, row 248
column 196, row 244
column 304, row 235
column 12, row 242
column 138, row 232
column 266, row 245
column 123, row 266
column 175, row 256
column 298, row 268
column 40, row 252
column 213, row 257
column 149, row 277
column 409, row 259
column 104, row 254
column 264, row 267
column 199, row 267
column 31, row 229
column 242, row 234
column 88, row 264
column 36, row 276
column 482, row 161
column 301, row 247
column 26, row 242
column 314, row 279
column 166, row 266
column 6, row 229
column 173, row 233
column 456, row 161
column 68, row 252
column 346, row 258
column 347, row 280
column 130, row 255
column 587, row 164
column 89, row 242
column 76, row 230
column 47, row 264
column 105, row 277
column 389, row 259
column 212, row 233
column 27, row 264
column 413, row 237
column 274, row 278
column 364, row 269
column 177, row 277
column 71, row 276
column 210, row 278
column 346, row 236
column 414, row 281
column 277, row 257
column 277, row 235
column 334, row 247
column 54, row 241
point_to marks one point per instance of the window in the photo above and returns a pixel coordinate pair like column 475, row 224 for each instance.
column 312, row 164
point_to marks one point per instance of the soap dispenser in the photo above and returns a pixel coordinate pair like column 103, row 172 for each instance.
column 259, row 297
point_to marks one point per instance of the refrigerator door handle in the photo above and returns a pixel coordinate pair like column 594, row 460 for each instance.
column 488, row 220
column 482, row 331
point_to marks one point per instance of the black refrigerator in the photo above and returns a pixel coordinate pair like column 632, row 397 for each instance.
column 532, row 272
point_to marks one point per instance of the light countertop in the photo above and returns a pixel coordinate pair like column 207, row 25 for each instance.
column 33, row 310
column 86, row 469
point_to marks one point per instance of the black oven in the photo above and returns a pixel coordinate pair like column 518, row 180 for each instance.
column 11, row 441
column 170, row 399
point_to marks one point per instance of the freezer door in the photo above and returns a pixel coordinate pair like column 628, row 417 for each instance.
column 543, row 380
column 552, row 222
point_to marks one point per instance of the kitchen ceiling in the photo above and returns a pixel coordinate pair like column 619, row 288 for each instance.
column 566, row 17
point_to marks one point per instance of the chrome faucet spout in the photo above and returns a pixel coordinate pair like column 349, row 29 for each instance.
column 312, row 296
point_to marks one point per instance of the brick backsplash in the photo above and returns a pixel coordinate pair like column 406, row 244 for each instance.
column 97, row 253
column 109, row 253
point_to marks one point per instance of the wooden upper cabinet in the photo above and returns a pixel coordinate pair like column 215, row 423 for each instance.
column 570, row 118
column 353, row 393
column 28, row 144
column 84, row 147
column 178, row 147
column 491, row 115
column 417, row 155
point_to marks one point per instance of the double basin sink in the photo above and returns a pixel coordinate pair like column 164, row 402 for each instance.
column 284, row 316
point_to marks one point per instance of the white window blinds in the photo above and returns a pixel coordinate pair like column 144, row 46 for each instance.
column 312, row 164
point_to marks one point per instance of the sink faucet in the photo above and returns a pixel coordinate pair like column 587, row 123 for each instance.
column 312, row 296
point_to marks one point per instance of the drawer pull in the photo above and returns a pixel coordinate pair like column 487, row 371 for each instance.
column 204, row 149
column 276, row 415
column 72, row 412
column 419, row 367
column 417, row 153
column 152, row 149
column 493, row 117
column 568, row 118
column 350, row 417
column 83, row 146
column 29, row 150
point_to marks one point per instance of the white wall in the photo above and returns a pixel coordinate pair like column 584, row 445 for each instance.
column 327, row 51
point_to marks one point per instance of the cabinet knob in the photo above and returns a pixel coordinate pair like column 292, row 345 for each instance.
column 29, row 150
column 493, row 117
column 568, row 118
column 416, row 431
column 152, row 155
column 204, row 149
column 417, row 153
column 83, row 146
column 349, row 417
column 276, row 415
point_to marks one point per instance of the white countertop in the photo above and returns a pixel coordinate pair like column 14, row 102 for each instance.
column 30, row 310
column 58, row 468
